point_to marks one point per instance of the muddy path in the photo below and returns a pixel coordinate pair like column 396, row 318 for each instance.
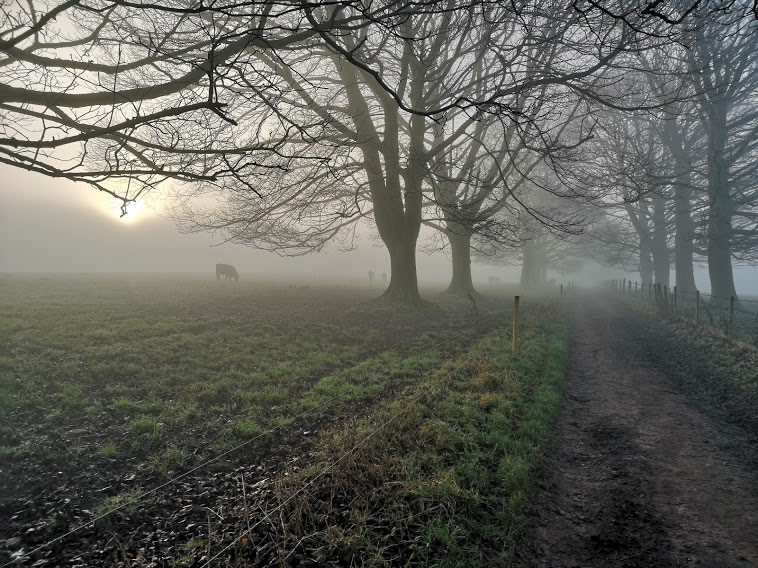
column 642, row 473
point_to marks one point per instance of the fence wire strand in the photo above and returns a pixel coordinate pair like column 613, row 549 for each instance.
column 735, row 317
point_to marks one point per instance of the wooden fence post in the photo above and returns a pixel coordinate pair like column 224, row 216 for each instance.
column 731, row 317
column 514, row 346
column 561, row 292
column 674, row 302
column 697, row 307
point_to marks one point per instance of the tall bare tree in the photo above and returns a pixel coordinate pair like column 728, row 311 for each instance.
column 723, row 62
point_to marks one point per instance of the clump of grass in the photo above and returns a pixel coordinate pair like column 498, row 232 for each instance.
column 241, row 428
column 72, row 396
column 6, row 398
column 189, row 550
column 148, row 427
column 7, row 453
column 54, row 414
column 125, row 406
column 488, row 401
column 126, row 503
column 170, row 459
column 108, row 450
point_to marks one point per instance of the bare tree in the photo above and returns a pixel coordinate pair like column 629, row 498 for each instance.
column 258, row 99
column 469, row 63
column 124, row 95
column 723, row 62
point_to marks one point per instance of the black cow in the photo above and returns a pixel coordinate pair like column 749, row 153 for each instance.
column 227, row 271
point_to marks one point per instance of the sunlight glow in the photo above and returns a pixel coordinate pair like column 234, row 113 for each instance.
column 135, row 210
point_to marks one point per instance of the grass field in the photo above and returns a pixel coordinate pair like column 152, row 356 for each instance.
column 110, row 385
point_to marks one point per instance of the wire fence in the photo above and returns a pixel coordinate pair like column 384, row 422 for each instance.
column 734, row 317
column 480, row 325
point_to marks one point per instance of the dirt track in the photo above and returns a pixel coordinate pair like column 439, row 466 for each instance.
column 642, row 475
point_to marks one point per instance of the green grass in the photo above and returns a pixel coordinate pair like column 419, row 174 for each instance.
column 108, row 450
column 126, row 503
column 448, row 482
column 147, row 427
column 132, row 368
column 734, row 362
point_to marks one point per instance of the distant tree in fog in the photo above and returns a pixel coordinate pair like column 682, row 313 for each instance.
column 684, row 176
column 545, row 233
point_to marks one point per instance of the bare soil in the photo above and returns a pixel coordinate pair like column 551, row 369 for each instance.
column 652, row 465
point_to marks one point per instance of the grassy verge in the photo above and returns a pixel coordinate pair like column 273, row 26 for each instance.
column 446, row 481
column 733, row 362
column 720, row 374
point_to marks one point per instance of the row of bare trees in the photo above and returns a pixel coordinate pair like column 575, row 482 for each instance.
column 284, row 124
column 682, row 181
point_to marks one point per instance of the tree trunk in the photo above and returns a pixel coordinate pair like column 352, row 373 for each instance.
column 461, row 283
column 646, row 259
column 646, row 263
column 397, row 206
column 685, row 234
column 534, row 267
column 403, row 285
column 720, row 207
column 661, row 262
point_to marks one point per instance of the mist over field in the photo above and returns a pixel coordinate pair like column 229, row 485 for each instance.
column 51, row 226
column 54, row 226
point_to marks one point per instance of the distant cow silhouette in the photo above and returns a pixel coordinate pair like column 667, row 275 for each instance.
column 371, row 277
column 227, row 271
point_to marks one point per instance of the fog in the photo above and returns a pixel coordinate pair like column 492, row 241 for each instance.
column 54, row 226
column 57, row 226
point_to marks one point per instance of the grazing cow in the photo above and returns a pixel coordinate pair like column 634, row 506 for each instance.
column 384, row 276
column 371, row 277
column 227, row 271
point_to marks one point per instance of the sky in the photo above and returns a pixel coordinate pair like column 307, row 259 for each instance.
column 50, row 225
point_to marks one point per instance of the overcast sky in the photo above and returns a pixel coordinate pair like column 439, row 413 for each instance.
column 49, row 225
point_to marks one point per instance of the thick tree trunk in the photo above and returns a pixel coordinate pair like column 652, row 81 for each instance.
column 720, row 207
column 461, row 283
column 661, row 262
column 720, row 259
column 685, row 228
column 397, row 205
column 403, row 285
column 685, row 235
column 646, row 259
column 534, row 267
column 646, row 264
